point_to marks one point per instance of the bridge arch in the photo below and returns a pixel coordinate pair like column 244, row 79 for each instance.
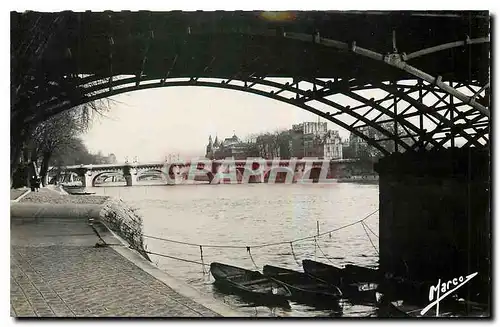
column 373, row 69
column 99, row 174
column 200, row 174
column 147, row 172
column 240, row 175
column 313, row 174
column 375, row 113
column 280, row 174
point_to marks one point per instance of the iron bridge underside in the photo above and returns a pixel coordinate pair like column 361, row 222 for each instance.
column 401, row 81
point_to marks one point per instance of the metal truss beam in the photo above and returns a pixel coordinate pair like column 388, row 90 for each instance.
column 392, row 115
column 285, row 87
column 292, row 101
column 423, row 108
column 98, row 91
column 98, row 87
column 445, row 46
column 394, row 60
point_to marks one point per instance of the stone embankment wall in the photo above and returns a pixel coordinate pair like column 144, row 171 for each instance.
column 118, row 216
column 122, row 219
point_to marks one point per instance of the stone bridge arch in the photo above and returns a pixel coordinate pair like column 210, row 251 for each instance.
column 95, row 175
column 151, row 171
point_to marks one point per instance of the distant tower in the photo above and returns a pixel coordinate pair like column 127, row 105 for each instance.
column 209, row 153
column 216, row 142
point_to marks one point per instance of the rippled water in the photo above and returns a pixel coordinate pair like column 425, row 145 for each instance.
column 252, row 214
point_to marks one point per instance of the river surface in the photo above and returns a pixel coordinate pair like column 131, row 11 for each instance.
column 254, row 214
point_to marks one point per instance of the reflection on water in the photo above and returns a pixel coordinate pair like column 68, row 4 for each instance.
column 252, row 214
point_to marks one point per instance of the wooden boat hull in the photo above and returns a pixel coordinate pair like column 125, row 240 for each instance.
column 362, row 274
column 253, row 298
column 250, row 285
column 305, row 288
column 328, row 273
column 352, row 288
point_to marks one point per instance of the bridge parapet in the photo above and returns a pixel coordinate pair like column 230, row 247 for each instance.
column 207, row 169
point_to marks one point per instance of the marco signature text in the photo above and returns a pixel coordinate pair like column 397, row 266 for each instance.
column 442, row 290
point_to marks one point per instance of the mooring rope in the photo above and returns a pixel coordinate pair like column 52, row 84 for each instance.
column 265, row 244
column 366, row 225
column 194, row 244
column 251, row 258
column 248, row 248
column 315, row 247
column 294, row 256
column 369, row 238
column 201, row 257
column 323, row 253
column 172, row 257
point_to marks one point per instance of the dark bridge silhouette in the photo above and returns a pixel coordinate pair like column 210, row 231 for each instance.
column 429, row 73
column 430, row 69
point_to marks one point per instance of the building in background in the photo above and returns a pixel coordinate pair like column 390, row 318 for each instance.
column 357, row 147
column 332, row 145
column 229, row 147
column 99, row 158
column 315, row 128
column 308, row 139
column 111, row 158
column 313, row 139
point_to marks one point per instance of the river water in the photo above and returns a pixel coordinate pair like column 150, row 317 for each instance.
column 253, row 214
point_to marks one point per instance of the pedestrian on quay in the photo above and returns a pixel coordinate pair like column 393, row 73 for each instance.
column 37, row 184
column 33, row 183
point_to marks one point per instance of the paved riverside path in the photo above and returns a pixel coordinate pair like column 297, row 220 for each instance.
column 56, row 271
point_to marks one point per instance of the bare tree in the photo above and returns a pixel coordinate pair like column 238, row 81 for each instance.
column 57, row 134
column 36, row 87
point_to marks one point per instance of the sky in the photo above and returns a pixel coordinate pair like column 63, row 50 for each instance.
column 153, row 123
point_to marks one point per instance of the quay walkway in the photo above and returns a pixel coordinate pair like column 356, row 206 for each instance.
column 58, row 271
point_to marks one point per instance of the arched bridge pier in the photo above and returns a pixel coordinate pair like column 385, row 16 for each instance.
column 227, row 171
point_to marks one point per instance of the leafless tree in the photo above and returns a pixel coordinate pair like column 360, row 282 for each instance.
column 57, row 134
column 36, row 86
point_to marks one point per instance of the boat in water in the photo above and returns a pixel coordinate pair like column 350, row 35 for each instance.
column 251, row 285
column 356, row 283
column 329, row 273
column 361, row 274
column 306, row 288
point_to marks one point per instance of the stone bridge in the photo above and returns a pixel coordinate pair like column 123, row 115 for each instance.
column 213, row 171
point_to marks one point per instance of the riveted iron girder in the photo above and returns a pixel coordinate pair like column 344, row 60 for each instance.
column 412, row 131
column 316, row 48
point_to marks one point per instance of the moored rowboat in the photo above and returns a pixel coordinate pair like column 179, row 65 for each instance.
column 305, row 288
column 250, row 284
column 355, row 286
column 362, row 274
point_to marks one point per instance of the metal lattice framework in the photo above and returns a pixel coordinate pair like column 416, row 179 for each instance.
column 401, row 105
column 395, row 106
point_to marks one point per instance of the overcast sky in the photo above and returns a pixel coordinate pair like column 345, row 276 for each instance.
column 153, row 123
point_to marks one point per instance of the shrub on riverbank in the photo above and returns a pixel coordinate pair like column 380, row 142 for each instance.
column 123, row 220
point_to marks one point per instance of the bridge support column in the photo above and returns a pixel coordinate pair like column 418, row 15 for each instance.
column 131, row 179
column 86, row 179
column 85, row 176
column 435, row 217
column 130, row 174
